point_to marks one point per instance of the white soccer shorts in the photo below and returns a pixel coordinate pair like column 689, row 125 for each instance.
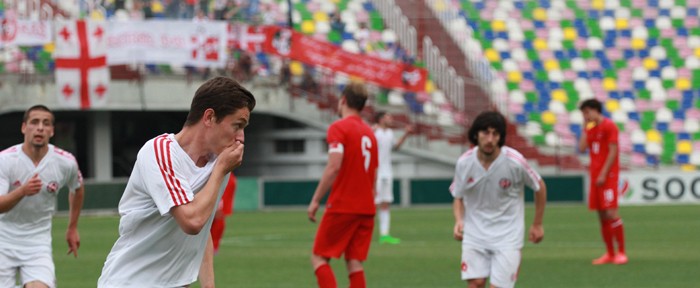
column 499, row 265
column 32, row 266
column 385, row 190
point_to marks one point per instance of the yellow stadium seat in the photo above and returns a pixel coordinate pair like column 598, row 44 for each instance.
column 50, row 47
column 492, row 55
column 598, row 4
column 697, row 52
column 440, row 6
column 621, row 23
column 684, row 147
column 540, row 44
column 560, row 95
column 653, row 136
column 570, row 33
column 515, row 76
column 320, row 17
column 429, row 86
column 549, row 118
column 498, row 25
column 540, row 14
column 609, row 84
column 683, row 84
column 638, row 44
column 688, row 167
column 651, row 64
column 308, row 27
column 551, row 64
column 296, row 68
column 612, row 105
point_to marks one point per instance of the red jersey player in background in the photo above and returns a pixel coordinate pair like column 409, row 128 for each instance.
column 348, row 220
column 602, row 144
column 225, row 209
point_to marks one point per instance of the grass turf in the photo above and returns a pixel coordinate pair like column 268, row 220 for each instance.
column 271, row 249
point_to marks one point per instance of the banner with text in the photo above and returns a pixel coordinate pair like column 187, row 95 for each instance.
column 659, row 188
column 201, row 44
column 297, row 46
column 16, row 32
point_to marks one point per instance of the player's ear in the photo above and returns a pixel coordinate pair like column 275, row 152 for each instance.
column 209, row 117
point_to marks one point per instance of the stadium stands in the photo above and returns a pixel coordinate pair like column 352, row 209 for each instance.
column 640, row 58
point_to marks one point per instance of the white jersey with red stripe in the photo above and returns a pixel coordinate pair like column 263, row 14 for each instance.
column 27, row 226
column 152, row 250
column 494, row 199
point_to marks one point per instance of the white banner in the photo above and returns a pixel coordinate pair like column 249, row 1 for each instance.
column 24, row 32
column 200, row 44
column 660, row 188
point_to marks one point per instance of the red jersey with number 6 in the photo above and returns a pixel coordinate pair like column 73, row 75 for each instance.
column 353, row 188
column 599, row 139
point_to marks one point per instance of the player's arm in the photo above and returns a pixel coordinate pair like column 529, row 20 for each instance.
column 10, row 200
column 458, row 212
column 335, row 159
column 407, row 132
column 206, row 270
column 192, row 217
column 583, row 142
column 536, row 230
column 75, row 204
column 612, row 154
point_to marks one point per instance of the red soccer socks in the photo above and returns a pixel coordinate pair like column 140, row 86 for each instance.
column 357, row 279
column 325, row 277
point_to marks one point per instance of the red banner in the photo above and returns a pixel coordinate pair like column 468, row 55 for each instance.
column 294, row 45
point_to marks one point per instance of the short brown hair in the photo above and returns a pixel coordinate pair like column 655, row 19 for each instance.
column 222, row 94
column 355, row 95
column 592, row 104
column 38, row 108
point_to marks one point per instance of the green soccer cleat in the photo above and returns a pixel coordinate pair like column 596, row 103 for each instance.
column 389, row 240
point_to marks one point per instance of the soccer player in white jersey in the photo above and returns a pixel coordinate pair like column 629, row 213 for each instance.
column 489, row 209
column 173, row 192
column 31, row 174
column 385, row 175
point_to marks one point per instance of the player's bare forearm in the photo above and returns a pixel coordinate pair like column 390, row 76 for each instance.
column 540, row 203
column 10, row 200
column 324, row 185
column 192, row 217
column 75, row 205
column 402, row 140
column 583, row 142
column 206, row 270
column 458, row 211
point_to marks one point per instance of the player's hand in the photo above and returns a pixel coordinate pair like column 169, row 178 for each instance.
column 32, row 186
column 311, row 211
column 231, row 157
column 536, row 234
column 410, row 129
column 600, row 181
column 458, row 231
column 73, row 239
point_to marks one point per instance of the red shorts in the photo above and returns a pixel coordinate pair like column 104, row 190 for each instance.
column 348, row 234
column 603, row 197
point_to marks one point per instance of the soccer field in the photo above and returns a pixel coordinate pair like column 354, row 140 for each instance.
column 272, row 249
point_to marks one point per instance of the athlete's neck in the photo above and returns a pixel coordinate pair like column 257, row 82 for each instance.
column 487, row 159
column 35, row 153
column 348, row 112
column 193, row 143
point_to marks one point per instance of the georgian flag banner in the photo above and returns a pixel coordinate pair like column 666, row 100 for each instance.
column 82, row 75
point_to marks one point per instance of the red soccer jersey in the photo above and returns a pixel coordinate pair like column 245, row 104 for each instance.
column 599, row 139
column 353, row 188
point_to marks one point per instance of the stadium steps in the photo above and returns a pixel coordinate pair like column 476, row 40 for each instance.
column 426, row 24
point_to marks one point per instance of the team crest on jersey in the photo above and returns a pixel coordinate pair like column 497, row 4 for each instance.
column 504, row 183
column 470, row 180
column 52, row 187
column 16, row 183
column 464, row 266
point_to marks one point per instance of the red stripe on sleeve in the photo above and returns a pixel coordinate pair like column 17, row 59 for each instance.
column 181, row 192
column 158, row 151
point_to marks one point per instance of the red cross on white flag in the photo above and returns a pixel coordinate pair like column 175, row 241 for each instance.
column 82, row 76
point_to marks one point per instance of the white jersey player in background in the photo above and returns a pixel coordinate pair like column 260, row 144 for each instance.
column 489, row 209
column 173, row 192
column 385, row 175
column 31, row 174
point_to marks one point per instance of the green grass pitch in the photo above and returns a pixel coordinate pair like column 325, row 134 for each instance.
column 271, row 249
